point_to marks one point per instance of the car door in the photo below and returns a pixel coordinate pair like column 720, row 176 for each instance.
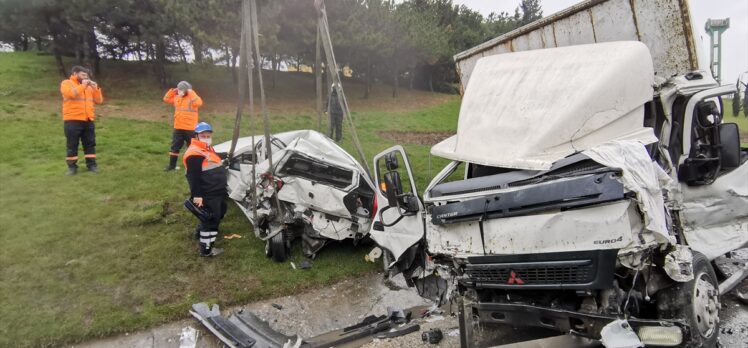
column 715, row 207
column 398, row 226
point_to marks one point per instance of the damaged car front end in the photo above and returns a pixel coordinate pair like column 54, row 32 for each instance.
column 315, row 191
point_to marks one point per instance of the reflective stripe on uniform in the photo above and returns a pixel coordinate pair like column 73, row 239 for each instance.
column 208, row 236
column 211, row 166
column 78, row 99
column 90, row 155
column 72, row 158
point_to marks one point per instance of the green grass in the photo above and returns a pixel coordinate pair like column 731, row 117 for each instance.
column 740, row 119
column 94, row 255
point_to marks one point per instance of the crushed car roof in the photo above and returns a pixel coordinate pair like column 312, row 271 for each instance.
column 526, row 110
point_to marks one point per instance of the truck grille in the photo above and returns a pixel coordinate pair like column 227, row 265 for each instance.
column 529, row 275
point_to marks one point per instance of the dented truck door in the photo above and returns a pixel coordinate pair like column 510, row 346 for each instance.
column 398, row 224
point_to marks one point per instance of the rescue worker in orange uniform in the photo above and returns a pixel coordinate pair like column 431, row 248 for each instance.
column 206, row 176
column 79, row 94
column 186, row 103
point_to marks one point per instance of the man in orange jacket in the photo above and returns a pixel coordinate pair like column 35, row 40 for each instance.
column 79, row 94
column 186, row 102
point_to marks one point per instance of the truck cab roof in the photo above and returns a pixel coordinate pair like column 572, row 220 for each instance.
column 526, row 110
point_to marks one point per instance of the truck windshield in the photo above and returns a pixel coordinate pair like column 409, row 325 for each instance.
column 317, row 171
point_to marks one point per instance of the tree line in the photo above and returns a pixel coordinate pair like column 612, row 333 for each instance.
column 407, row 42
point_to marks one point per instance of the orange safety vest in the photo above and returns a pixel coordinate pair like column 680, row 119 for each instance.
column 213, row 176
column 198, row 148
column 78, row 100
column 185, row 108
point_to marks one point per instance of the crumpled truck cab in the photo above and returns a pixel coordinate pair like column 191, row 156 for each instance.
column 582, row 191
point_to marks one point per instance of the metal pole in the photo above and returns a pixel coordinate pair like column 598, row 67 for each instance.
column 318, row 81
column 263, row 107
column 330, row 55
column 247, row 55
column 240, row 99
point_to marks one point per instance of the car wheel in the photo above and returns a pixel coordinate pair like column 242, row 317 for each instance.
column 696, row 301
column 277, row 248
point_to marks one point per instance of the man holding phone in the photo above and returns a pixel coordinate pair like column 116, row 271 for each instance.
column 206, row 176
column 79, row 94
column 186, row 103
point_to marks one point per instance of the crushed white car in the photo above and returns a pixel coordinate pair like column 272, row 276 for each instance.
column 315, row 191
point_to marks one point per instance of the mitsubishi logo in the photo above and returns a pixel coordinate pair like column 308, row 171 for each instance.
column 514, row 279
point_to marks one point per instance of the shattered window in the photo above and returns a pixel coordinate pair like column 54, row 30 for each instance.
column 317, row 171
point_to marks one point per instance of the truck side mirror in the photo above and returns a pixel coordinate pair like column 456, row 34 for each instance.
column 394, row 187
column 729, row 138
column 390, row 161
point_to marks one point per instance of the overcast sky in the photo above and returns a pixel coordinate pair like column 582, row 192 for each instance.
column 735, row 39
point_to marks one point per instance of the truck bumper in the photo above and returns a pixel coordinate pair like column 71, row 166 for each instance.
column 583, row 324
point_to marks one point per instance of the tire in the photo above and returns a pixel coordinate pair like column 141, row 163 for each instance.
column 277, row 248
column 736, row 104
column 697, row 302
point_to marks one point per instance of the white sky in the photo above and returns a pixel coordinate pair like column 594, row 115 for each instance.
column 734, row 40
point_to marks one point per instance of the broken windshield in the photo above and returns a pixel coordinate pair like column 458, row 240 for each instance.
column 313, row 170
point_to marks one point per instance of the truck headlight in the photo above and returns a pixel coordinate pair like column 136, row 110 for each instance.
column 666, row 336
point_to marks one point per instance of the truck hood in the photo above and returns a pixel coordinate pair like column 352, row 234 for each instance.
column 526, row 110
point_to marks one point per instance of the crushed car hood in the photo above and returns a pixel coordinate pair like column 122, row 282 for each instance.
column 526, row 110
column 308, row 141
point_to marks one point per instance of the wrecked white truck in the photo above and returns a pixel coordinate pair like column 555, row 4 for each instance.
column 315, row 191
column 591, row 186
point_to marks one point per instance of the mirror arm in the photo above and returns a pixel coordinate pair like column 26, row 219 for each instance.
column 394, row 222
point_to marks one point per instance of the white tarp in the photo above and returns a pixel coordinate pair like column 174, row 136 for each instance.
column 526, row 110
column 640, row 175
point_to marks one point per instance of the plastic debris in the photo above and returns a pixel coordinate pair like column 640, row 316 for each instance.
column 373, row 255
column 619, row 334
column 188, row 337
column 433, row 336
column 305, row 264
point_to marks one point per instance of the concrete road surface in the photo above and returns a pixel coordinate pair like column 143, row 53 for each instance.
column 346, row 303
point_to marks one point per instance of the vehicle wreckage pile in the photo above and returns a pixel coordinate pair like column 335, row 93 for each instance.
column 598, row 185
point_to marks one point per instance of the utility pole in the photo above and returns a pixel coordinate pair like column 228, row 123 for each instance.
column 715, row 28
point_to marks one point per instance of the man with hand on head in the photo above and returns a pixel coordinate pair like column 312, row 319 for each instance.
column 186, row 103
column 79, row 94
column 206, row 176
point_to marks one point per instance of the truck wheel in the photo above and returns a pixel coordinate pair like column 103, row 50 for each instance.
column 277, row 248
column 736, row 104
column 696, row 301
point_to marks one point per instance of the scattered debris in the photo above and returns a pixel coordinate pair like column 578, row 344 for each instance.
column 188, row 337
column 373, row 255
column 232, row 236
column 433, row 336
column 306, row 263
column 454, row 333
column 240, row 330
column 619, row 334
column 397, row 333
column 293, row 265
column 277, row 306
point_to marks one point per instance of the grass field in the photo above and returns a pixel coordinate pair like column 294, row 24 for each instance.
column 94, row 255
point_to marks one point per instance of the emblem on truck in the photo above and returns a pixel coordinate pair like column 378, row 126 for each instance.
column 609, row 241
column 514, row 279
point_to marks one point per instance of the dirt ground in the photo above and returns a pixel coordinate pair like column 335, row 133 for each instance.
column 418, row 138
